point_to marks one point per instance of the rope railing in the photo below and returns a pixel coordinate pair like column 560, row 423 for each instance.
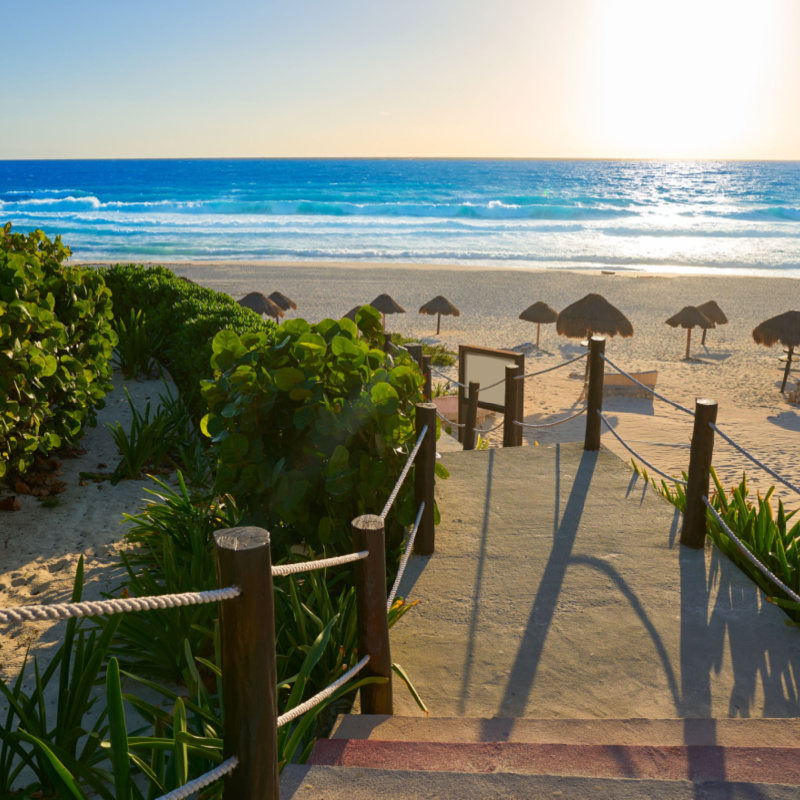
column 550, row 369
column 635, row 454
column 749, row 555
column 549, row 424
column 447, row 378
column 97, row 608
column 204, row 780
column 322, row 563
column 646, row 387
column 483, row 432
column 404, row 560
column 412, row 455
column 752, row 458
column 298, row 711
column 443, row 418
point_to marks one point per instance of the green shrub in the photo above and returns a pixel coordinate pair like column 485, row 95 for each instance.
column 56, row 341
column 440, row 355
column 183, row 316
column 315, row 430
column 136, row 350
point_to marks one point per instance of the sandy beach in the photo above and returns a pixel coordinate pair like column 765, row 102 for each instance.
column 743, row 377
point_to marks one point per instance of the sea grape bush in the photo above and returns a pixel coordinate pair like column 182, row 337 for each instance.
column 56, row 341
column 313, row 429
column 183, row 317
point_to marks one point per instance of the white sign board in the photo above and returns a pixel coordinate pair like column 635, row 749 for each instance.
column 487, row 367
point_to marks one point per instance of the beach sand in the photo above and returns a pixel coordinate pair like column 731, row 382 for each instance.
column 743, row 377
column 41, row 546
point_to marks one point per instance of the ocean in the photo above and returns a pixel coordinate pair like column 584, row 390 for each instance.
column 717, row 217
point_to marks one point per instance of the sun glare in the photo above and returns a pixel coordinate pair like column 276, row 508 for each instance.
column 680, row 80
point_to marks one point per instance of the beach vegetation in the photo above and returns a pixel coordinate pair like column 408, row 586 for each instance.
column 136, row 350
column 440, row 355
column 313, row 428
column 56, row 341
column 768, row 535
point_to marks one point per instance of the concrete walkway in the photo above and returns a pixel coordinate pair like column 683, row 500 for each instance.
column 558, row 589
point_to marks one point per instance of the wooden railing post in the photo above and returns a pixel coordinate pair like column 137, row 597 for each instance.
column 387, row 342
column 372, row 621
column 594, row 394
column 472, row 415
column 427, row 372
column 510, row 436
column 520, row 403
column 249, row 677
column 415, row 351
column 424, row 478
column 693, row 533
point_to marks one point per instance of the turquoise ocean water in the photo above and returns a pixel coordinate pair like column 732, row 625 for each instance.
column 670, row 216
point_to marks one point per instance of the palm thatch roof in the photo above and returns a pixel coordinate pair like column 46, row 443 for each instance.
column 539, row 312
column 785, row 328
column 592, row 314
column 261, row 304
column 351, row 314
column 440, row 305
column 690, row 317
column 386, row 305
column 713, row 312
column 282, row 301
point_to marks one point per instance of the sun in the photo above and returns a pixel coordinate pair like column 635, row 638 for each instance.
column 685, row 79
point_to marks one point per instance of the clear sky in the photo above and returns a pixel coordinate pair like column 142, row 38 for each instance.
column 509, row 78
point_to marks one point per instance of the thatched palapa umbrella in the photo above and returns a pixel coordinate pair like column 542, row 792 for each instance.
column 785, row 328
column 714, row 313
column 539, row 313
column 592, row 314
column 386, row 305
column 351, row 314
column 690, row 317
column 439, row 305
column 282, row 301
column 261, row 304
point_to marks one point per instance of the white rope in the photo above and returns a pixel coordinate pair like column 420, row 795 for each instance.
column 444, row 419
column 489, row 430
column 749, row 555
column 97, row 608
column 647, row 388
column 549, row 424
column 320, row 696
column 450, row 380
column 550, row 369
column 322, row 563
column 412, row 455
column 754, row 459
column 631, row 450
column 490, row 386
column 204, row 780
column 404, row 560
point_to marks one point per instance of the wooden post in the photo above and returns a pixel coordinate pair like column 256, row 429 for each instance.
column 415, row 351
column 511, row 410
column 472, row 415
column 387, row 342
column 249, row 678
column 594, row 394
column 520, row 402
column 426, row 371
column 372, row 622
column 693, row 533
column 424, row 478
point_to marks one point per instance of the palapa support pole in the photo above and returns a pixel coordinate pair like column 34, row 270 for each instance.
column 372, row 623
column 688, row 341
column 426, row 371
column 249, row 676
column 387, row 342
column 594, row 394
column 511, row 406
column 438, row 323
column 424, row 477
column 788, row 367
column 538, row 331
column 703, row 340
column 693, row 533
column 472, row 415
column 415, row 351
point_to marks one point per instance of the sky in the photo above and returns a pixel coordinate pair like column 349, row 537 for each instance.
column 436, row 78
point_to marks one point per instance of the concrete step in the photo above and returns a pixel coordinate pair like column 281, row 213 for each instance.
column 779, row 765
column 758, row 732
column 304, row 782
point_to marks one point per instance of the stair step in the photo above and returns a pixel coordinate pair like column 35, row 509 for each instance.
column 779, row 765
column 754, row 732
column 304, row 782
